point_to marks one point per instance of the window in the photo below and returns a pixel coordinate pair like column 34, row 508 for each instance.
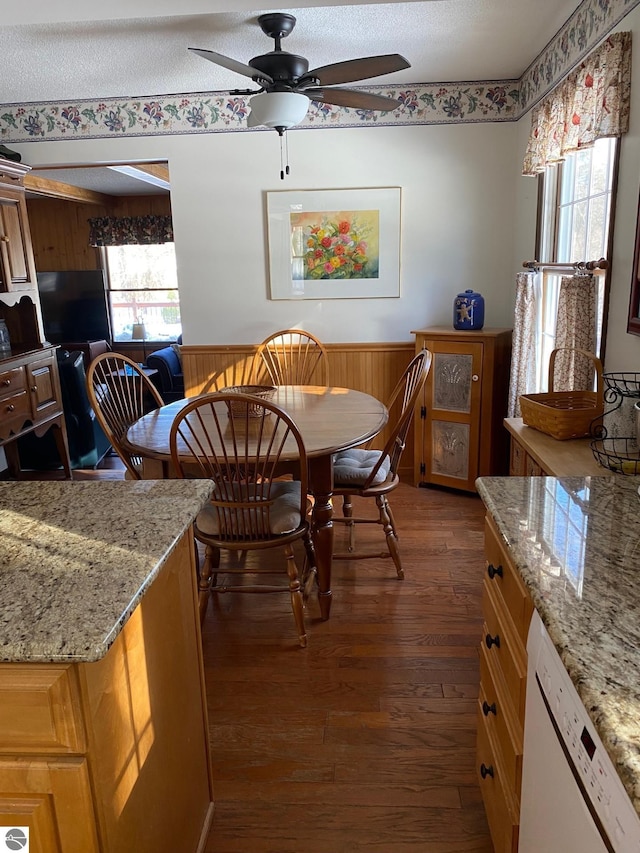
column 577, row 202
column 143, row 292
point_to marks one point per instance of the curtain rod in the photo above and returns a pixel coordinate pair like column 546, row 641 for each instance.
column 578, row 266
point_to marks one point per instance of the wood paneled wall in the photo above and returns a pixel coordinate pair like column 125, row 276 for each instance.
column 373, row 368
column 60, row 229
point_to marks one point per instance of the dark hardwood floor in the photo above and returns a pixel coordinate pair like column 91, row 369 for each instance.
column 365, row 740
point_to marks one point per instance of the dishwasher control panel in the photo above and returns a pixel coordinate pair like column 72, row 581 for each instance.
column 591, row 765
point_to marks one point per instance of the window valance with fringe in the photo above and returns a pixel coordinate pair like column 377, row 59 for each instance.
column 130, row 230
column 591, row 103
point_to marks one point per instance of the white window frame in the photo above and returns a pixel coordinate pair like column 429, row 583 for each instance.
column 555, row 242
column 145, row 315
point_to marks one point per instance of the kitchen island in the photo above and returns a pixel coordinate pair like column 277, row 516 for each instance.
column 103, row 723
column 575, row 542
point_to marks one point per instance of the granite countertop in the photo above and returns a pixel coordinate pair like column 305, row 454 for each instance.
column 576, row 543
column 77, row 557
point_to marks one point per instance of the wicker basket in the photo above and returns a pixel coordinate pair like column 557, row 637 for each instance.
column 564, row 414
column 241, row 409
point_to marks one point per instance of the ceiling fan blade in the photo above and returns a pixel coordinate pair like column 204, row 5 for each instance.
column 355, row 69
column 352, row 98
column 232, row 64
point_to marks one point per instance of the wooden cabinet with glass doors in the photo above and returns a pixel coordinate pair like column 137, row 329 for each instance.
column 458, row 426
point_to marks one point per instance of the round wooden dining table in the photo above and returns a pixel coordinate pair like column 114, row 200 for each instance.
column 329, row 420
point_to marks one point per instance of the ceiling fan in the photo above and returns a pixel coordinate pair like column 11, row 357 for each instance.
column 287, row 87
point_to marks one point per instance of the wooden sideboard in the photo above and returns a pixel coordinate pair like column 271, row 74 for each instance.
column 534, row 453
column 31, row 401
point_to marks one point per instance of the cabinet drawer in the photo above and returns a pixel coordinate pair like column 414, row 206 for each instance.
column 531, row 467
column 14, row 411
column 505, row 647
column 501, row 719
column 39, row 710
column 517, row 459
column 12, row 381
column 507, row 582
column 500, row 805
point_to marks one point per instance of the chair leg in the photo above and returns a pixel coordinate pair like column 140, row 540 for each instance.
column 207, row 578
column 296, row 595
column 347, row 512
column 309, row 571
column 389, row 532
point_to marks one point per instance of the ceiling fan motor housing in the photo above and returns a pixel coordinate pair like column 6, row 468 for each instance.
column 284, row 68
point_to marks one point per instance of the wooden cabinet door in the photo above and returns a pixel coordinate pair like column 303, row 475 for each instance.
column 17, row 267
column 44, row 388
column 453, row 398
column 52, row 798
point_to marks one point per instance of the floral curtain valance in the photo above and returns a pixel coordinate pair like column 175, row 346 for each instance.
column 593, row 102
column 130, row 230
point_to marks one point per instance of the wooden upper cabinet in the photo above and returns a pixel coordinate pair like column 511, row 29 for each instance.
column 17, row 267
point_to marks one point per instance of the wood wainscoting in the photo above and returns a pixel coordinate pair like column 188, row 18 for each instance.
column 373, row 368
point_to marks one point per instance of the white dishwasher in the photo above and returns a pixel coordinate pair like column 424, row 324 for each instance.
column 572, row 799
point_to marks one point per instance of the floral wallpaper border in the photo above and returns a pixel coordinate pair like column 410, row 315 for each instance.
column 421, row 104
column 588, row 25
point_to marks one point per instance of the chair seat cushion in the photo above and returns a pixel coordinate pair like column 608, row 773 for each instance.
column 353, row 467
column 284, row 512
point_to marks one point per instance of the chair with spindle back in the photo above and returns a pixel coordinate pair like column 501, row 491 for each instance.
column 291, row 357
column 120, row 393
column 374, row 473
column 238, row 441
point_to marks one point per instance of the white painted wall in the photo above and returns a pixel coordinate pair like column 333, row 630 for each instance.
column 458, row 195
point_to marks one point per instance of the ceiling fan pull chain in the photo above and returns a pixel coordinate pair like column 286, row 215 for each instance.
column 281, row 159
column 286, row 148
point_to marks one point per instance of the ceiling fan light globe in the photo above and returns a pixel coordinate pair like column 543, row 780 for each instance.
column 278, row 109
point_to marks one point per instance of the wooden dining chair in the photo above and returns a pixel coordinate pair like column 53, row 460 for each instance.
column 291, row 357
column 120, row 393
column 374, row 473
column 238, row 440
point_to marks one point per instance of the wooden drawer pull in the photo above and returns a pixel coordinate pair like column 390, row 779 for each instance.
column 34, row 388
column 492, row 641
column 6, row 382
column 10, row 408
column 492, row 571
column 489, row 708
column 486, row 771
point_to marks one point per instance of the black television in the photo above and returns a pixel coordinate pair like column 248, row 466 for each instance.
column 74, row 306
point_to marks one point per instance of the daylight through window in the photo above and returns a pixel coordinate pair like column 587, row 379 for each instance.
column 143, row 289
column 575, row 225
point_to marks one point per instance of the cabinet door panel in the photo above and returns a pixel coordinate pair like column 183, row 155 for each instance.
column 453, row 398
column 45, row 394
column 17, row 267
column 52, row 799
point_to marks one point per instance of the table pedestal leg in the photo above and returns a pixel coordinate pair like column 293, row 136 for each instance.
column 320, row 483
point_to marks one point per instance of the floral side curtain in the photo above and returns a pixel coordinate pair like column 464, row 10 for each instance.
column 524, row 349
column 130, row 230
column 593, row 102
column 576, row 328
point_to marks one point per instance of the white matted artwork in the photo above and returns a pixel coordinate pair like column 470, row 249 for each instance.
column 334, row 244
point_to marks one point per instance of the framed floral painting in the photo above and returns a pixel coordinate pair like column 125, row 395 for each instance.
column 334, row 244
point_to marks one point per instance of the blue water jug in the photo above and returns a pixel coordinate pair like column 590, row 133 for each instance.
column 468, row 311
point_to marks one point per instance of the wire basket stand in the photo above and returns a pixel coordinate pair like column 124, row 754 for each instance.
column 618, row 453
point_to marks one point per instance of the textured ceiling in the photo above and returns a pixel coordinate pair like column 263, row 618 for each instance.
column 127, row 48
column 444, row 40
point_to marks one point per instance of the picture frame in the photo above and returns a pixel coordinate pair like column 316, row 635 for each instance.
column 334, row 244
